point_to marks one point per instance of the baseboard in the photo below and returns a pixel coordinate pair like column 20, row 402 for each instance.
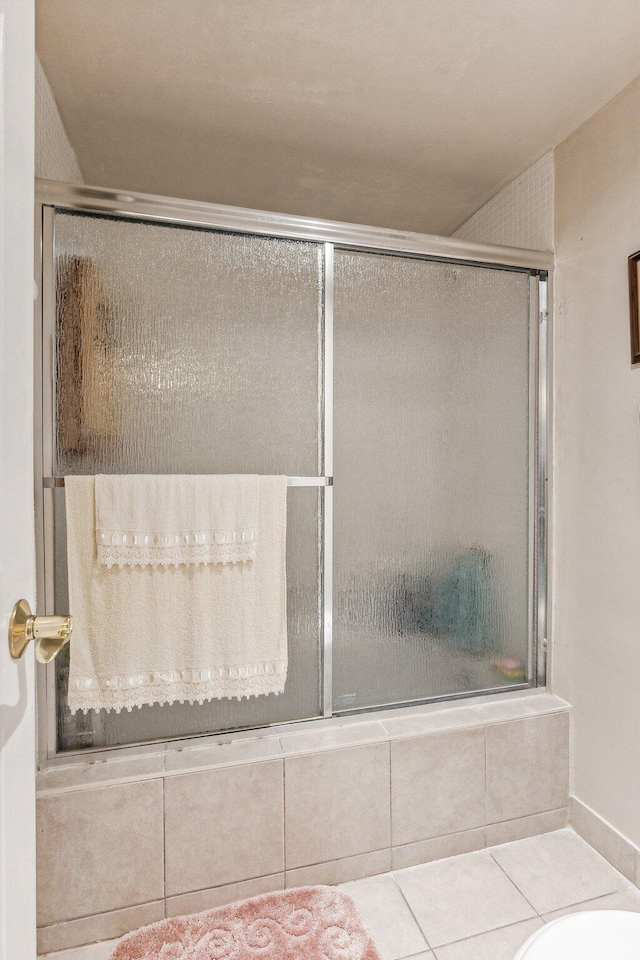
column 603, row 837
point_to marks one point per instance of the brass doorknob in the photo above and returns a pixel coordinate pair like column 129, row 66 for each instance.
column 50, row 633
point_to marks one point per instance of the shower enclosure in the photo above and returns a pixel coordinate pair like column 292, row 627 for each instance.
column 398, row 380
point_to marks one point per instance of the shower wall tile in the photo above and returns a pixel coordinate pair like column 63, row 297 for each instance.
column 337, row 804
column 437, row 785
column 98, row 773
column 55, row 158
column 223, row 826
column 522, row 827
column 521, row 215
column 341, row 871
column 353, row 810
column 527, row 766
column 220, row 896
column 101, row 926
column 99, row 850
column 329, row 738
column 238, row 752
column 424, row 851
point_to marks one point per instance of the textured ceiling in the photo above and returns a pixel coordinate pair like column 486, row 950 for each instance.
column 398, row 113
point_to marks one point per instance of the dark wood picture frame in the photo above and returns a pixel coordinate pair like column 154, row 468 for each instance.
column 634, row 305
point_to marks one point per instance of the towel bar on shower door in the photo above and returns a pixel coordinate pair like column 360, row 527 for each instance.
column 51, row 633
column 50, row 482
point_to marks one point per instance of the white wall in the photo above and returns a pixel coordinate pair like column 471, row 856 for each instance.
column 597, row 458
column 521, row 215
column 55, row 158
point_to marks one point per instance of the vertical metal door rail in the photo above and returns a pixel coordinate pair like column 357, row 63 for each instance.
column 534, row 342
column 542, row 485
column 45, row 464
column 327, row 493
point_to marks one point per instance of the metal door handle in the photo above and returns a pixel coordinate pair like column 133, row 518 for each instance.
column 50, row 633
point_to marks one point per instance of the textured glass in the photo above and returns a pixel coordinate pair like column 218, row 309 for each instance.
column 190, row 351
column 301, row 694
column 185, row 351
column 431, row 479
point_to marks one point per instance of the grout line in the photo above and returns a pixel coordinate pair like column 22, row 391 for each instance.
column 486, row 797
column 581, row 903
column 416, row 921
column 164, row 847
column 512, row 881
column 504, row 926
column 284, row 823
column 92, row 916
column 221, row 886
column 410, row 956
column 390, row 810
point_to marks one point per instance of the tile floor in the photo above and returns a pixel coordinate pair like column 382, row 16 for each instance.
column 476, row 906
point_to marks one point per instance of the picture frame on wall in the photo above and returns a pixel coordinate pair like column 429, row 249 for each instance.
column 634, row 305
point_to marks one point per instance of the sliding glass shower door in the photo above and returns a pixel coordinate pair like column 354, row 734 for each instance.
column 191, row 351
column 431, row 466
column 407, row 381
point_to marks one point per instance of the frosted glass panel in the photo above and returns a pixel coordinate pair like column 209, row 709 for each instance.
column 431, row 479
column 185, row 351
column 301, row 694
column 191, row 351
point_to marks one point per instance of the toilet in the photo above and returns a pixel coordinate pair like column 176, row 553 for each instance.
column 588, row 935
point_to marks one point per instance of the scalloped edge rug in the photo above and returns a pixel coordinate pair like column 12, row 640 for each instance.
column 305, row 923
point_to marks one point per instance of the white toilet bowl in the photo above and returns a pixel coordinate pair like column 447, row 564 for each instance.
column 589, row 935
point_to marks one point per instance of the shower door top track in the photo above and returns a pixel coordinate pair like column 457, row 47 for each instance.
column 55, row 196
column 264, row 223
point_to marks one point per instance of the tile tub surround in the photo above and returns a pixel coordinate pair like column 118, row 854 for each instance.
column 481, row 898
column 181, row 830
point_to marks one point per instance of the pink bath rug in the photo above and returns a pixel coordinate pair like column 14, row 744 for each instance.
column 307, row 923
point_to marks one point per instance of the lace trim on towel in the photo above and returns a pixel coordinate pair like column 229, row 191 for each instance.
column 171, row 550
column 172, row 686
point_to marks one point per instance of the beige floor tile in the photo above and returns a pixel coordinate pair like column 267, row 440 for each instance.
column 337, row 804
column 498, row 944
column 628, row 899
column 557, row 870
column 461, row 897
column 527, row 766
column 388, row 918
column 428, row 955
column 437, row 785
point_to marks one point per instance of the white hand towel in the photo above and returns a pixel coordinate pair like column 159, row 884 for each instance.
column 164, row 521
column 158, row 634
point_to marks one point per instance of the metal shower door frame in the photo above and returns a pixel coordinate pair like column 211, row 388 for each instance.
column 53, row 195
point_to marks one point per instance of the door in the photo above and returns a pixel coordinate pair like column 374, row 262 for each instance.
column 17, row 561
column 433, row 429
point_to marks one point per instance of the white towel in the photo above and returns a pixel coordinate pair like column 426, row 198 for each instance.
column 164, row 521
column 158, row 634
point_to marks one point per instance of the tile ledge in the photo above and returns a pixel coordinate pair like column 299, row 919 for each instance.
column 123, row 765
